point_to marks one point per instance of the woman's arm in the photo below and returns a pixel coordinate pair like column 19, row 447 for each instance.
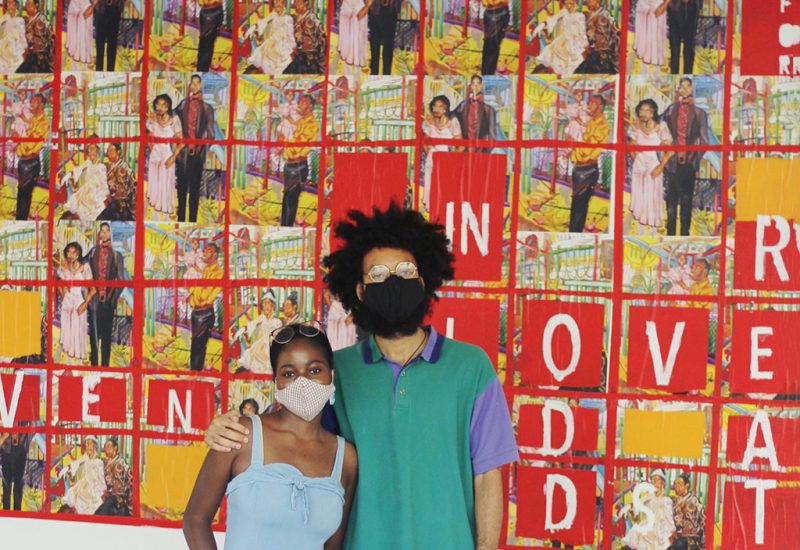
column 171, row 160
column 666, row 140
column 349, row 480
column 205, row 500
column 362, row 13
column 92, row 291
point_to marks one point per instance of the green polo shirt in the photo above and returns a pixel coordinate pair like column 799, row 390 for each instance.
column 415, row 429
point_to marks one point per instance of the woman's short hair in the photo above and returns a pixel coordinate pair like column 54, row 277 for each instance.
column 166, row 99
column 443, row 99
column 74, row 245
column 249, row 401
column 650, row 103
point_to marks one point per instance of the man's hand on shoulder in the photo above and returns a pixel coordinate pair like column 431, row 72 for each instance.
column 225, row 433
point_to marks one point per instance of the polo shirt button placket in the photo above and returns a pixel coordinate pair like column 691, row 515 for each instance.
column 401, row 398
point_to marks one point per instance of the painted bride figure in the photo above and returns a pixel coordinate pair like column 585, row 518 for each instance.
column 650, row 38
column 662, row 524
column 73, row 321
column 256, row 357
column 274, row 36
column 353, row 41
column 80, row 30
column 647, row 174
column 13, row 41
column 568, row 31
column 162, row 123
column 89, row 182
column 86, row 494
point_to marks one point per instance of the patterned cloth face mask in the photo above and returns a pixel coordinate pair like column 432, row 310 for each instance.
column 304, row 397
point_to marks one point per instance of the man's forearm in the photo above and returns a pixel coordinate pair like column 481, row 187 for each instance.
column 488, row 509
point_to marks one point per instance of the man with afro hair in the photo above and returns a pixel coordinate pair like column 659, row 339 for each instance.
column 426, row 413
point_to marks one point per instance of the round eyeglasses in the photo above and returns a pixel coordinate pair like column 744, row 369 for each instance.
column 378, row 273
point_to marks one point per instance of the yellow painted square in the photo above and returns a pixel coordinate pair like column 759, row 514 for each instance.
column 169, row 475
column 675, row 434
column 20, row 323
column 767, row 186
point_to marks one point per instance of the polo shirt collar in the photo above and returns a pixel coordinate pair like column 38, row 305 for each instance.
column 371, row 353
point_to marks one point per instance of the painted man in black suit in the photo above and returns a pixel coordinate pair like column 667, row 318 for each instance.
column 682, row 17
column 688, row 125
column 107, row 15
column 197, row 122
column 107, row 265
column 477, row 119
column 211, row 19
column 382, row 23
column 13, row 456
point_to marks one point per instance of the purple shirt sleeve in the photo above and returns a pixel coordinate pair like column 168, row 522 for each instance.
column 491, row 435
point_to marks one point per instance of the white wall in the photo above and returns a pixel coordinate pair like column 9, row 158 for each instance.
column 66, row 535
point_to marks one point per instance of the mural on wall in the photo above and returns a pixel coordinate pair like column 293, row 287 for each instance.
column 619, row 178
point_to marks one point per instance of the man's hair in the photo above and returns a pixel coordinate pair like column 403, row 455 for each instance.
column 686, row 479
column 394, row 227
column 197, row 76
column 477, row 77
column 42, row 97
column 686, row 79
column 105, row 224
column 599, row 97
column 114, row 441
column 704, row 262
column 310, row 98
column 213, row 246
column 116, row 145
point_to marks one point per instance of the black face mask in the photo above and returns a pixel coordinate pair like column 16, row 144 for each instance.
column 395, row 306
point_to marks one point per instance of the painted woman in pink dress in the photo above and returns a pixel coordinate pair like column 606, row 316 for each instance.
column 74, row 337
column 162, row 123
column 650, row 37
column 80, row 29
column 647, row 177
column 340, row 327
column 680, row 276
column 194, row 260
column 353, row 41
column 21, row 109
column 442, row 125
column 288, row 111
column 578, row 114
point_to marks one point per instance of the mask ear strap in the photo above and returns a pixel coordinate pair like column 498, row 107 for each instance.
column 360, row 291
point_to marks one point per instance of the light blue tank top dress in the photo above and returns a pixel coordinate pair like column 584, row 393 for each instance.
column 274, row 506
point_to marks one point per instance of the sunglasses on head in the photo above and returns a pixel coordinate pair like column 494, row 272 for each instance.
column 284, row 335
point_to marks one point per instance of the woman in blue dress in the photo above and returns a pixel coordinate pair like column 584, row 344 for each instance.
column 291, row 484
